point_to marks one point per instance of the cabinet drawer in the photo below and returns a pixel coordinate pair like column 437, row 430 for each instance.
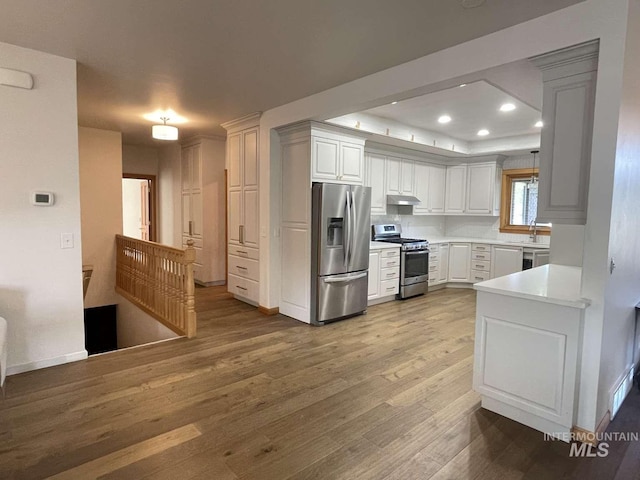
column 244, row 267
column 197, row 242
column 477, row 276
column 434, row 248
column 390, row 252
column 481, row 247
column 479, row 255
column 389, row 287
column 433, row 267
column 390, row 262
column 433, row 279
column 243, row 287
column 481, row 265
column 389, row 273
column 241, row 251
column 434, row 256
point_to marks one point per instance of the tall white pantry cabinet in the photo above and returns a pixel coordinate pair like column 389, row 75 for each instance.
column 243, row 136
column 202, row 191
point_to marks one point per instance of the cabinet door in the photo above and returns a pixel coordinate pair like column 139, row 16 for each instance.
column 456, row 186
column 325, row 156
column 505, row 260
column 250, row 156
column 196, row 214
column 196, row 168
column 374, row 274
column 234, row 212
column 421, row 188
column 460, row 262
column 234, row 162
column 407, row 177
column 443, row 274
column 437, row 180
column 185, row 168
column 186, row 213
column 480, row 187
column 375, row 179
column 351, row 163
column 250, row 206
column 565, row 149
column 393, row 174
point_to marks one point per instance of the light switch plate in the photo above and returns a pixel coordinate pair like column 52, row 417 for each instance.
column 66, row 240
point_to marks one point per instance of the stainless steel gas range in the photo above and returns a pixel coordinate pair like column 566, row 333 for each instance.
column 414, row 259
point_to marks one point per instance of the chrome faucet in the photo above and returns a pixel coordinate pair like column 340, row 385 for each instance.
column 533, row 227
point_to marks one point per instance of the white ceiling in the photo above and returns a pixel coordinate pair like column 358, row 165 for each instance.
column 471, row 108
column 215, row 60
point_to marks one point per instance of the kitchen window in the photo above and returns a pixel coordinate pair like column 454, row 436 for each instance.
column 519, row 205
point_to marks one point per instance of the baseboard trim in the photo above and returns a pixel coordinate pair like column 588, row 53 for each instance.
column 210, row 284
column 586, row 436
column 49, row 362
column 269, row 311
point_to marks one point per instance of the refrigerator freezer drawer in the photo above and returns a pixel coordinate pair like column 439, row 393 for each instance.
column 342, row 296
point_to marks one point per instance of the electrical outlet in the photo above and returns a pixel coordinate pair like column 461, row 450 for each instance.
column 66, row 240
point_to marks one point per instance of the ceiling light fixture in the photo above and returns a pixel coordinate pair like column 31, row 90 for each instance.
column 394, row 103
column 164, row 131
column 507, row 107
column 483, row 132
column 444, row 119
column 462, row 85
column 539, row 124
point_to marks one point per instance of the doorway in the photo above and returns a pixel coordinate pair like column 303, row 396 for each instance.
column 139, row 206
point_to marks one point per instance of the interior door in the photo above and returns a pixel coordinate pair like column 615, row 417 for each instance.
column 145, row 222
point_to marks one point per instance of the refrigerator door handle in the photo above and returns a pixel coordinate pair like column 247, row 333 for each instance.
column 354, row 223
column 345, row 279
column 346, row 244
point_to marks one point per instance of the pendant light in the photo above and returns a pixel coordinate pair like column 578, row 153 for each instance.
column 164, row 131
column 534, row 179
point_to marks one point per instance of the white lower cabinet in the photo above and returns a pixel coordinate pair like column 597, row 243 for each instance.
column 460, row 262
column 505, row 260
column 384, row 274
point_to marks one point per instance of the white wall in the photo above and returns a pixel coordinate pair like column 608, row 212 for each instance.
column 169, row 196
column 101, row 200
column 589, row 20
column 40, row 284
column 139, row 159
column 623, row 288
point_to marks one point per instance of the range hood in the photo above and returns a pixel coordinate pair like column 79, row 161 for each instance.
column 402, row 200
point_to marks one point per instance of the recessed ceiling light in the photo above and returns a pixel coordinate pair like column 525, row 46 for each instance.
column 393, row 103
column 483, row 133
column 462, row 85
column 444, row 119
column 507, row 107
column 539, row 124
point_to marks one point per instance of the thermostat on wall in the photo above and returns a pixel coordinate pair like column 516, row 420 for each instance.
column 42, row 199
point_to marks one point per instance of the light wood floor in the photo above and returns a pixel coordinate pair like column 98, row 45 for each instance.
column 382, row 396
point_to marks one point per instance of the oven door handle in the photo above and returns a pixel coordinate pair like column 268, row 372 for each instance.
column 419, row 252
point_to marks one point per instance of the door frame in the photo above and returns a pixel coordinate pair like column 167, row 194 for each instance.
column 153, row 212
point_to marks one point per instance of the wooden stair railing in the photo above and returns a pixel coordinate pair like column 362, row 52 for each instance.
column 159, row 280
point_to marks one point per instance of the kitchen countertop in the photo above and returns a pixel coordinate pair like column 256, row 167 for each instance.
column 557, row 284
column 436, row 240
column 382, row 245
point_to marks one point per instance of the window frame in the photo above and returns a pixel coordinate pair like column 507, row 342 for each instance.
column 505, row 203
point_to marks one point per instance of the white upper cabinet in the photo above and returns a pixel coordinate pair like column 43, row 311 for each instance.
column 481, row 188
column 437, row 180
column 456, row 189
column 400, row 176
column 337, row 160
column 569, row 78
column 422, row 175
column 374, row 167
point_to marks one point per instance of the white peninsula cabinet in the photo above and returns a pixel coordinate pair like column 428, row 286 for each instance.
column 505, row 260
column 527, row 342
column 460, row 262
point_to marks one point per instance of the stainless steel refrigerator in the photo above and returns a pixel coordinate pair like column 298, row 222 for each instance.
column 341, row 225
